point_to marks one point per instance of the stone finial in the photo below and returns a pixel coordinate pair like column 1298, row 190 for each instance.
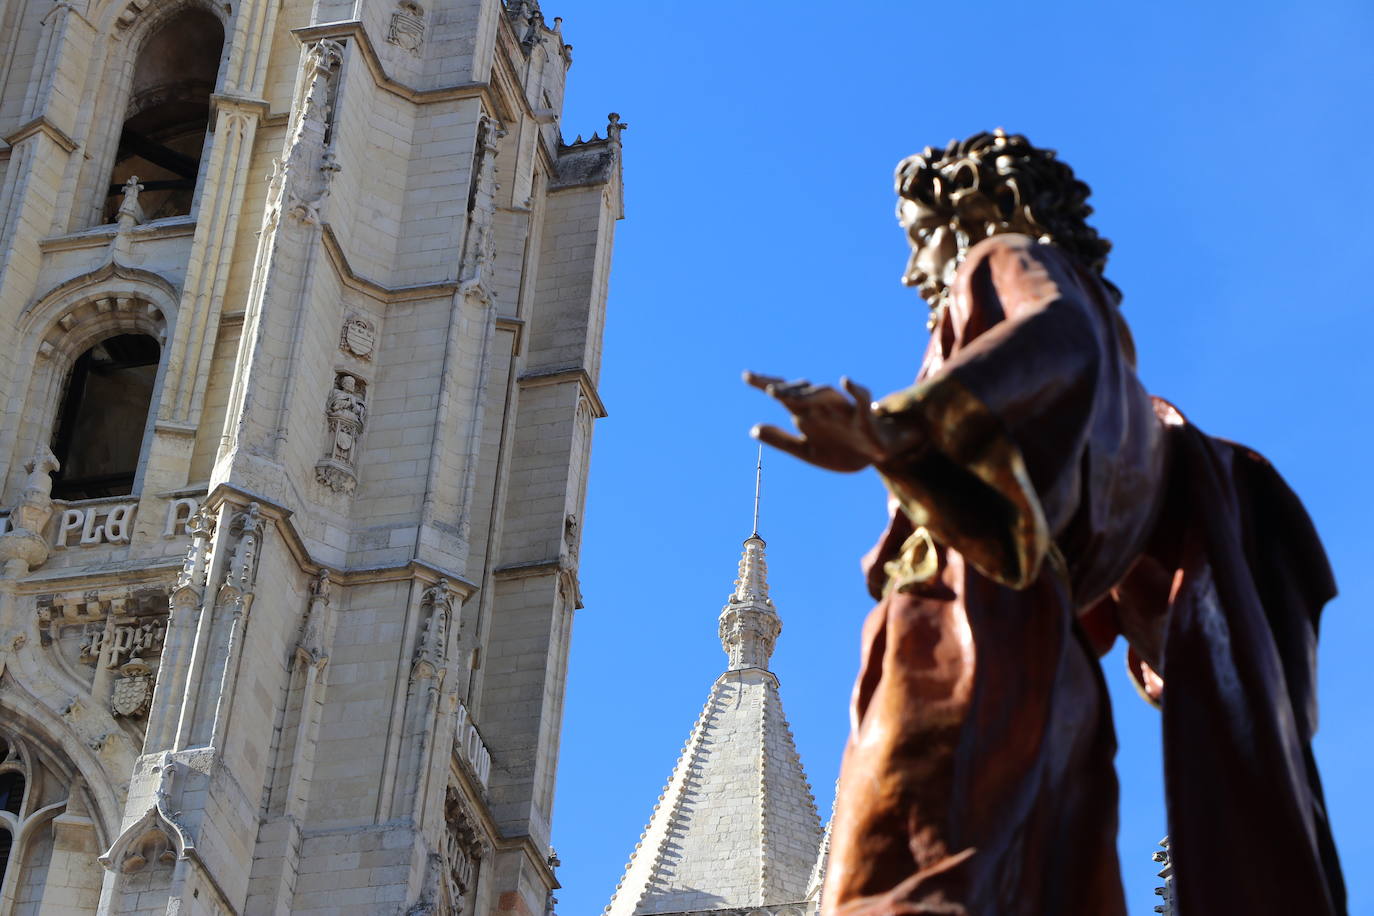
column 749, row 625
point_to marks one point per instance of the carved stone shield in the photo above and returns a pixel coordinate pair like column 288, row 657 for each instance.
column 359, row 337
column 132, row 696
column 408, row 27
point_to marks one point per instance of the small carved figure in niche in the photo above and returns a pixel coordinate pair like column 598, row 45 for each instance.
column 408, row 26
column 359, row 337
column 321, row 587
column 345, row 414
column 130, row 210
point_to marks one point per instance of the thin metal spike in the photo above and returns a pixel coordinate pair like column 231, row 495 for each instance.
column 758, row 485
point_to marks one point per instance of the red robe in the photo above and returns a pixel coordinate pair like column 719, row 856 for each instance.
column 1052, row 504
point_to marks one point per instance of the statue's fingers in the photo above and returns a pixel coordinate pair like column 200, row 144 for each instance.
column 762, row 382
column 861, row 395
column 782, row 440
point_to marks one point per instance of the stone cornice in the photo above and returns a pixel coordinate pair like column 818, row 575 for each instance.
column 353, row 30
column 538, row 378
column 527, row 570
column 244, row 103
column 100, row 236
column 501, row 100
column 352, row 279
column 533, row 854
column 41, row 125
column 131, row 572
column 353, row 575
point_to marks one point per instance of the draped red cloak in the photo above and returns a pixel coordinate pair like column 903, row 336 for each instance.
column 1052, row 505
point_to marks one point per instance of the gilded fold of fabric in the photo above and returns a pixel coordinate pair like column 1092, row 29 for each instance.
column 968, row 486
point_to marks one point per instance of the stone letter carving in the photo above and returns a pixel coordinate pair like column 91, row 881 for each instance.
column 359, row 337
column 408, row 26
column 344, row 416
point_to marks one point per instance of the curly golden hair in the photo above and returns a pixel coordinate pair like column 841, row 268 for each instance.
column 995, row 183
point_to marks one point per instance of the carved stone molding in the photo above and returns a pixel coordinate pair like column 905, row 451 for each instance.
column 464, row 849
column 311, row 647
column 300, row 181
column 246, row 529
column 431, row 656
column 479, row 255
column 156, row 838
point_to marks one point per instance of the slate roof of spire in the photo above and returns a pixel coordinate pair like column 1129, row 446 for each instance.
column 736, row 825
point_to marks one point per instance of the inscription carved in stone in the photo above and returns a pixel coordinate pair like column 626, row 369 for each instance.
column 131, row 639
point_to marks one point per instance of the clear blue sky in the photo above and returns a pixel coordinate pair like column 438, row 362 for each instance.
column 1229, row 150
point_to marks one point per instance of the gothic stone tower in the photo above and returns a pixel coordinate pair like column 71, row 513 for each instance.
column 303, row 308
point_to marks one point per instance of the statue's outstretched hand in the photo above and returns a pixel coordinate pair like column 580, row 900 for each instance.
column 837, row 433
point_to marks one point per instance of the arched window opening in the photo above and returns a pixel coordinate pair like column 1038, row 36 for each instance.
column 99, row 431
column 167, row 115
column 11, row 791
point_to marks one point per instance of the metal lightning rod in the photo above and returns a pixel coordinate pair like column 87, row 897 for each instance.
column 758, row 483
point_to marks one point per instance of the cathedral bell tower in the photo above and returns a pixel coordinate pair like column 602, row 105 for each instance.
column 304, row 304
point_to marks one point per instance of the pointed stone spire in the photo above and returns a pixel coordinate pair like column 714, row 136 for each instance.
column 749, row 624
column 736, row 827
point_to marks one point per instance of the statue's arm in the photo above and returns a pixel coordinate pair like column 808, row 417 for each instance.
column 1005, row 417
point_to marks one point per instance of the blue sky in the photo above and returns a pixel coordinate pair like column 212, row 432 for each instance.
column 1229, row 149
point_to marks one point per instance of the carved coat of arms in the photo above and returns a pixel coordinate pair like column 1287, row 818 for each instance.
column 133, row 691
column 359, row 337
column 408, row 26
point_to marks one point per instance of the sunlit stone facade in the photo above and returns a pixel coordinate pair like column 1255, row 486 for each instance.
column 303, row 309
